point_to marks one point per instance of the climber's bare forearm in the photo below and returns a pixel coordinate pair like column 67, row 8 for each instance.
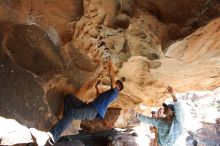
column 111, row 74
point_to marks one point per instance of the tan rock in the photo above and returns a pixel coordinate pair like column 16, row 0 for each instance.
column 193, row 61
column 49, row 48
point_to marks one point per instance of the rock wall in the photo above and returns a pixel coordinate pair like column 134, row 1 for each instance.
column 51, row 47
column 194, row 59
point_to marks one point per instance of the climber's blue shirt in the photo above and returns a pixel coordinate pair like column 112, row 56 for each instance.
column 103, row 100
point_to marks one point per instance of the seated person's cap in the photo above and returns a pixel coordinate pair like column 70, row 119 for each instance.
column 171, row 106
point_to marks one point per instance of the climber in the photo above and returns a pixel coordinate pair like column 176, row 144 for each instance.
column 170, row 127
column 81, row 111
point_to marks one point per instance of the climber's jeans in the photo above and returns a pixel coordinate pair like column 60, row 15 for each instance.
column 77, row 111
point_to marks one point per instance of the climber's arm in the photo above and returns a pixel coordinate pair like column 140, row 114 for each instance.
column 96, row 87
column 111, row 74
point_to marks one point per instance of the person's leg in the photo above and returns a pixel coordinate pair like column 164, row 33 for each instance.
column 85, row 112
column 74, row 109
column 71, row 101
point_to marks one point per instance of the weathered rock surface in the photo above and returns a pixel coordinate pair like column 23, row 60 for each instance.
column 110, row 137
column 193, row 62
column 51, row 47
column 30, row 47
column 115, row 117
column 71, row 143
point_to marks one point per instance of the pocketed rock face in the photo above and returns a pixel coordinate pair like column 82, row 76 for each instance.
column 98, row 36
column 52, row 47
